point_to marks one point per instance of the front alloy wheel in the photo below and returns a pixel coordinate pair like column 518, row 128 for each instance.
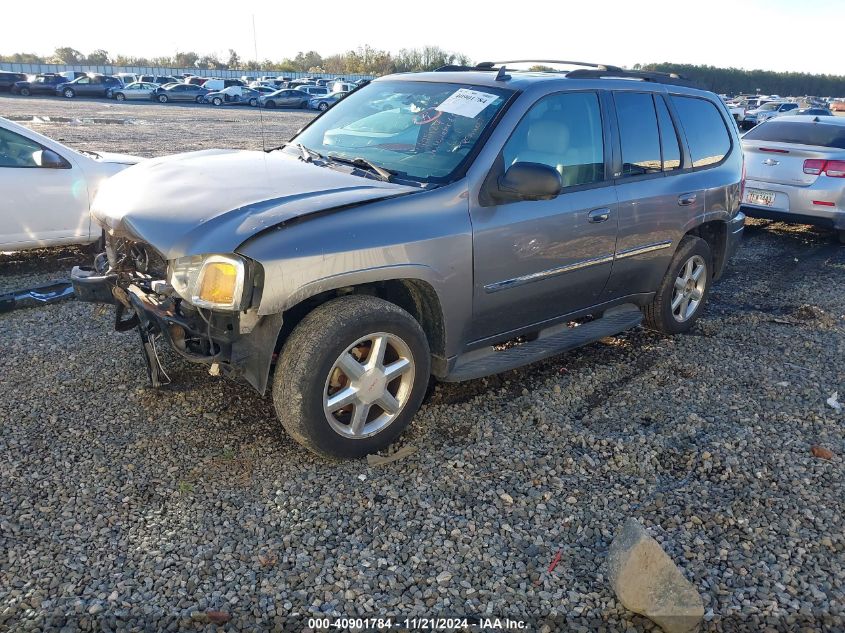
column 351, row 376
column 369, row 385
column 69, row 94
column 323, row 107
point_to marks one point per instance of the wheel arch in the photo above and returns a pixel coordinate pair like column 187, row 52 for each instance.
column 416, row 296
column 715, row 233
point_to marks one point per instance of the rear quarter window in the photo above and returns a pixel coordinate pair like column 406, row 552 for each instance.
column 816, row 134
column 704, row 128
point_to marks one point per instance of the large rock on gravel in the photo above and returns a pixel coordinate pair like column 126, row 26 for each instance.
column 647, row 582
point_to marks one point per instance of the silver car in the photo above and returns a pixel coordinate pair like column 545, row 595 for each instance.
column 796, row 171
column 287, row 98
column 136, row 90
column 497, row 219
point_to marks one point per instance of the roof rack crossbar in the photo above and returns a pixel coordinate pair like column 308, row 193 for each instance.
column 643, row 75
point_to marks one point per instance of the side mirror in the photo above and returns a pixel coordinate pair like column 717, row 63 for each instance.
column 48, row 159
column 530, row 181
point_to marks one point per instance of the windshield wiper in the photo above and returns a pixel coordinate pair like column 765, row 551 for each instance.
column 307, row 154
column 384, row 174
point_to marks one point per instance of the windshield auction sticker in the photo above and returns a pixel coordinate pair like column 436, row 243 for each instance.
column 465, row 102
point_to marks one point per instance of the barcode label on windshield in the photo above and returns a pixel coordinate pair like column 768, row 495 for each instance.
column 465, row 102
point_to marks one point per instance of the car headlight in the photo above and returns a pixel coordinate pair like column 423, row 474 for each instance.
column 209, row 281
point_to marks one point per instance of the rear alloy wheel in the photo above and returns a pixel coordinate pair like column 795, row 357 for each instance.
column 162, row 98
column 323, row 106
column 217, row 101
column 683, row 292
column 253, row 102
column 270, row 105
column 25, row 92
column 120, row 96
column 69, row 93
column 354, row 392
column 199, row 99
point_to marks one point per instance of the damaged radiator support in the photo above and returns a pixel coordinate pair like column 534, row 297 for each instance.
column 54, row 292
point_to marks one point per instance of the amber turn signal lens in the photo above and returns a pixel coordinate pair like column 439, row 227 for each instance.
column 219, row 280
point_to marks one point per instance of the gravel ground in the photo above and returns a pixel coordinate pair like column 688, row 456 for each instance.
column 127, row 508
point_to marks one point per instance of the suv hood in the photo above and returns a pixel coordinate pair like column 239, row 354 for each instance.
column 214, row 200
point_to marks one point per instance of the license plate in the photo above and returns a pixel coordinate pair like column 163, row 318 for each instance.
column 762, row 198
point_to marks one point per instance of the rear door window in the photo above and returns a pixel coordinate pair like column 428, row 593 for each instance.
column 705, row 130
column 638, row 134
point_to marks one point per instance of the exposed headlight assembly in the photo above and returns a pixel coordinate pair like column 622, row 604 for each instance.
column 209, row 281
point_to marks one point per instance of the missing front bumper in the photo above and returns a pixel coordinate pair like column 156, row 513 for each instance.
column 199, row 336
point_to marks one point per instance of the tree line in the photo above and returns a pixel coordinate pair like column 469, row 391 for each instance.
column 734, row 81
column 363, row 60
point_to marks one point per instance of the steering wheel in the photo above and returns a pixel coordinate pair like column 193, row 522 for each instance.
column 429, row 115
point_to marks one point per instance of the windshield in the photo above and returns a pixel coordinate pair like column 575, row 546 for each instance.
column 417, row 130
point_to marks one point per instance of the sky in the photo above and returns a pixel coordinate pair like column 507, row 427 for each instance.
column 781, row 35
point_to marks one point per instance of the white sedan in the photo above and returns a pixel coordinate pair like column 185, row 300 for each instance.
column 47, row 189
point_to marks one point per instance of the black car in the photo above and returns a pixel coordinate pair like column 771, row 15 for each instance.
column 88, row 86
column 7, row 79
column 179, row 92
column 44, row 83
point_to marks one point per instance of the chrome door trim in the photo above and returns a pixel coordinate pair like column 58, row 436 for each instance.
column 641, row 250
column 546, row 274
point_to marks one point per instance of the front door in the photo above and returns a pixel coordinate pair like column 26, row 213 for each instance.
column 538, row 260
column 39, row 206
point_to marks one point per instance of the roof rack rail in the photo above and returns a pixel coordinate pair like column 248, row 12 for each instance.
column 642, row 75
column 555, row 61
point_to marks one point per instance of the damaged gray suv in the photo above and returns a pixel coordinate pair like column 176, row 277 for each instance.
column 416, row 228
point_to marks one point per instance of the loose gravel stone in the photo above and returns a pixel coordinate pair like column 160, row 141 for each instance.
column 152, row 506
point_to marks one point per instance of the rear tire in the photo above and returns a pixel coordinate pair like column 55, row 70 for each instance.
column 69, row 93
column 841, row 236
column 120, row 97
column 162, row 98
column 330, row 353
column 270, row 105
column 323, row 107
column 25, row 92
column 682, row 294
column 217, row 101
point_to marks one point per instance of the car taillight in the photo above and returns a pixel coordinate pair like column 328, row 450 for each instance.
column 835, row 168
column 742, row 182
column 830, row 168
column 813, row 166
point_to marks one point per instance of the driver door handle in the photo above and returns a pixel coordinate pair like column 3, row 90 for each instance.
column 598, row 215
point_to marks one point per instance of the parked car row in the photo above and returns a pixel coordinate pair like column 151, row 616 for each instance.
column 318, row 94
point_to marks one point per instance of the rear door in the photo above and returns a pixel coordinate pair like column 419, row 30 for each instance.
column 652, row 206
column 535, row 260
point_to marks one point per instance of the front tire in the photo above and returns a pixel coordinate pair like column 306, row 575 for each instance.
column 162, row 98
column 217, row 101
column 120, row 97
column 69, row 93
column 323, row 107
column 270, row 105
column 841, row 235
column 352, row 393
column 253, row 102
column 682, row 294
column 24, row 92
